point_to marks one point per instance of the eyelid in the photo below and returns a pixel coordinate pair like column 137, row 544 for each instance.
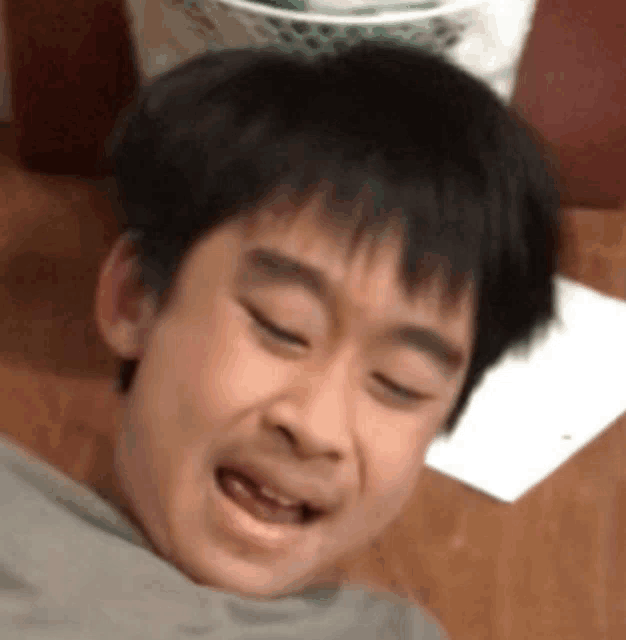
column 404, row 393
column 401, row 393
column 277, row 332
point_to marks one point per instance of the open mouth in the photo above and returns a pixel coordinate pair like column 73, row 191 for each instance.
column 263, row 503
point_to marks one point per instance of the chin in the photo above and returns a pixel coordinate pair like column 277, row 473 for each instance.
column 261, row 582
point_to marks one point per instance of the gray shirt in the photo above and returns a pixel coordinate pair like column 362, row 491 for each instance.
column 71, row 567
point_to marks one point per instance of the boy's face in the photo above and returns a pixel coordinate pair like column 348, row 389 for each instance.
column 324, row 382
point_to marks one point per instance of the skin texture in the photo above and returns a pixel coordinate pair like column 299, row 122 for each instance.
column 317, row 412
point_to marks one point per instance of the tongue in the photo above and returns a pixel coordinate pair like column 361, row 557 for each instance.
column 245, row 493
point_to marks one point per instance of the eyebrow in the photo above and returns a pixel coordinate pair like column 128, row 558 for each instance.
column 281, row 268
column 432, row 342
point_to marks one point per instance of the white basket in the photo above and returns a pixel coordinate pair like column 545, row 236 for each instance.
column 437, row 29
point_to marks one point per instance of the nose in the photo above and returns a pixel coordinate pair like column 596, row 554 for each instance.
column 313, row 416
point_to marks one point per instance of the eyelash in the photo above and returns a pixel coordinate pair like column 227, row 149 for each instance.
column 276, row 333
column 398, row 390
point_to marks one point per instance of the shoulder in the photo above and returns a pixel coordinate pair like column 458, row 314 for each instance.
column 394, row 617
column 29, row 481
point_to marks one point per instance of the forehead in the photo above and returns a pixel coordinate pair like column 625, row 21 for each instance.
column 368, row 271
column 309, row 233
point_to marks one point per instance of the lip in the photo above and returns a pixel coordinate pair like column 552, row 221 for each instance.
column 248, row 529
column 320, row 506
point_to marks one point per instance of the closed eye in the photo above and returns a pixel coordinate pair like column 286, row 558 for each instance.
column 275, row 332
column 401, row 392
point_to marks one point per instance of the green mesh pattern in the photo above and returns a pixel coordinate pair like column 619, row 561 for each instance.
column 299, row 34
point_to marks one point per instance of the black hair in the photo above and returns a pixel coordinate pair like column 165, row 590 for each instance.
column 478, row 198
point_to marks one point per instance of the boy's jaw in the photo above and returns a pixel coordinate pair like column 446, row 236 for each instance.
column 239, row 529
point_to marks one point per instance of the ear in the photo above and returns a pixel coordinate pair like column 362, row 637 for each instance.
column 125, row 309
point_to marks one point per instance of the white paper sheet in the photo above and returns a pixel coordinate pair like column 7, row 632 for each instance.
column 530, row 415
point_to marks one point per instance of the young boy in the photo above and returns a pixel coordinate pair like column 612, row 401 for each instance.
column 321, row 260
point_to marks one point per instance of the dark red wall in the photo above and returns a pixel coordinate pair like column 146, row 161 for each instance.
column 70, row 63
column 71, row 69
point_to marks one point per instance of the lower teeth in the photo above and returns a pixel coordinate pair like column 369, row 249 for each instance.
column 239, row 491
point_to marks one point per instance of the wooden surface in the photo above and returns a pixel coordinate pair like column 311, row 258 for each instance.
column 552, row 565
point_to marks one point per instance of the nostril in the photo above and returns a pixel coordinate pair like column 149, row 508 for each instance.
column 289, row 437
column 219, row 474
column 310, row 515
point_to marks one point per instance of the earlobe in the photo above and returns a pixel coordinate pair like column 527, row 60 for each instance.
column 124, row 308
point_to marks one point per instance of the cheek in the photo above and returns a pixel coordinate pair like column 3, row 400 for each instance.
column 386, row 499
column 222, row 369
column 393, row 453
column 392, row 476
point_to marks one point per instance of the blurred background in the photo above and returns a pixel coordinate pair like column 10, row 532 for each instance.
column 550, row 565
